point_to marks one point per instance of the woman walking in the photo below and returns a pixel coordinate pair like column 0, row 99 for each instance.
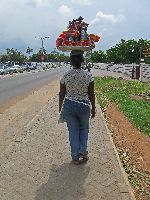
column 78, row 98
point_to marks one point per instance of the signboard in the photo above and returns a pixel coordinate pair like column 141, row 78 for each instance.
column 146, row 51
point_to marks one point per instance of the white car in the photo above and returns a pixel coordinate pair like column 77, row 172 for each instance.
column 3, row 69
column 13, row 69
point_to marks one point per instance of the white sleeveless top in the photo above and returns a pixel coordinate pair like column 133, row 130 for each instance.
column 77, row 82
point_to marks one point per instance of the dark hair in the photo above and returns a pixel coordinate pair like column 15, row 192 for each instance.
column 76, row 60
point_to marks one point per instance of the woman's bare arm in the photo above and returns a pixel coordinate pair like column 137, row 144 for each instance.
column 62, row 94
column 91, row 95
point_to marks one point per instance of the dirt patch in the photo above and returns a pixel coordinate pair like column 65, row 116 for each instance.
column 140, row 97
column 134, row 147
column 11, row 102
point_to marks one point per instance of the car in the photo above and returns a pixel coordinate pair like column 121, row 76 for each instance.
column 31, row 66
column 13, row 68
column 3, row 69
column 24, row 67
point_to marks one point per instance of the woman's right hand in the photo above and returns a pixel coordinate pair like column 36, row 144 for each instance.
column 93, row 112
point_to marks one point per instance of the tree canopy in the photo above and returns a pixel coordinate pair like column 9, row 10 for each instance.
column 13, row 55
column 130, row 51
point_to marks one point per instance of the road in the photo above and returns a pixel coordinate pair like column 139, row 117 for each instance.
column 22, row 96
column 22, row 84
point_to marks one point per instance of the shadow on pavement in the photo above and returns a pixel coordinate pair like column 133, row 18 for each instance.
column 65, row 182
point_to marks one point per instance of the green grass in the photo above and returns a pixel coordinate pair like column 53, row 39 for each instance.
column 120, row 91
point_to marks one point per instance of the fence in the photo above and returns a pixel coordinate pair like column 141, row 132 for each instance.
column 140, row 72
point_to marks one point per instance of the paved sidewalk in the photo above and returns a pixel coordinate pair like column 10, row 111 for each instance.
column 36, row 165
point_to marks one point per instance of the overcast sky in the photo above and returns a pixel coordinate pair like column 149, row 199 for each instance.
column 24, row 22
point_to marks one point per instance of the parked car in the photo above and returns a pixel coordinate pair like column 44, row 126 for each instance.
column 13, row 68
column 24, row 67
column 3, row 69
column 31, row 66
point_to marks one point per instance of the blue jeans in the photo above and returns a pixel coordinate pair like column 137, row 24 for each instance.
column 77, row 117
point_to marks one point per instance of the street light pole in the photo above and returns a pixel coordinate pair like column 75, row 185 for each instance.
column 42, row 57
column 140, row 53
column 42, row 42
column 42, row 39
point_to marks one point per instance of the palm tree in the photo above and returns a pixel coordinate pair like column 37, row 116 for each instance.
column 29, row 50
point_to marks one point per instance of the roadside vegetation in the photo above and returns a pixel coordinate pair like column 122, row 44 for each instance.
column 15, row 56
column 125, row 52
column 133, row 99
column 123, row 93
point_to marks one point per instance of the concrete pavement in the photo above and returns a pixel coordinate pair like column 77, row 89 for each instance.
column 36, row 165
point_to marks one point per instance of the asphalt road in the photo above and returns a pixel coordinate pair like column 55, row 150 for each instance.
column 22, row 84
column 19, row 85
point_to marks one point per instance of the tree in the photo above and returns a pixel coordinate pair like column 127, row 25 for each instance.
column 29, row 50
column 129, row 51
column 49, row 57
column 13, row 55
column 99, row 56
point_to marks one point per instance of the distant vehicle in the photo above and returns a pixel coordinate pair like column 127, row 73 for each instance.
column 13, row 68
column 24, row 67
column 34, row 64
column 31, row 66
column 3, row 69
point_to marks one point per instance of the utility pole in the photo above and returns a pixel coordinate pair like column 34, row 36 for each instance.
column 42, row 41
column 140, row 53
column 42, row 58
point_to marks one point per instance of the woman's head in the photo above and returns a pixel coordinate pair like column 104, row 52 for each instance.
column 76, row 58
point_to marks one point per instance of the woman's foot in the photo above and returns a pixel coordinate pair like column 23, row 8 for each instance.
column 83, row 157
column 76, row 162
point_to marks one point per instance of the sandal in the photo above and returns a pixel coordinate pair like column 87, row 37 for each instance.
column 83, row 157
column 76, row 162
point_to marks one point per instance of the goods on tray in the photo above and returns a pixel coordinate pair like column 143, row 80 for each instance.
column 76, row 37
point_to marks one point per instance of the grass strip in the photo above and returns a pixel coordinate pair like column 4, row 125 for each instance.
column 120, row 92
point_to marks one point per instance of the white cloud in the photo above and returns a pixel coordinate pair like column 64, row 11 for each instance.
column 35, row 3
column 83, row 2
column 38, row 2
column 107, row 18
column 65, row 11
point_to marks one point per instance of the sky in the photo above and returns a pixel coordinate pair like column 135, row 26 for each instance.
column 24, row 22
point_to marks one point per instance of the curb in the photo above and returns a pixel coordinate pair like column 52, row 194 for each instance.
column 130, row 191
